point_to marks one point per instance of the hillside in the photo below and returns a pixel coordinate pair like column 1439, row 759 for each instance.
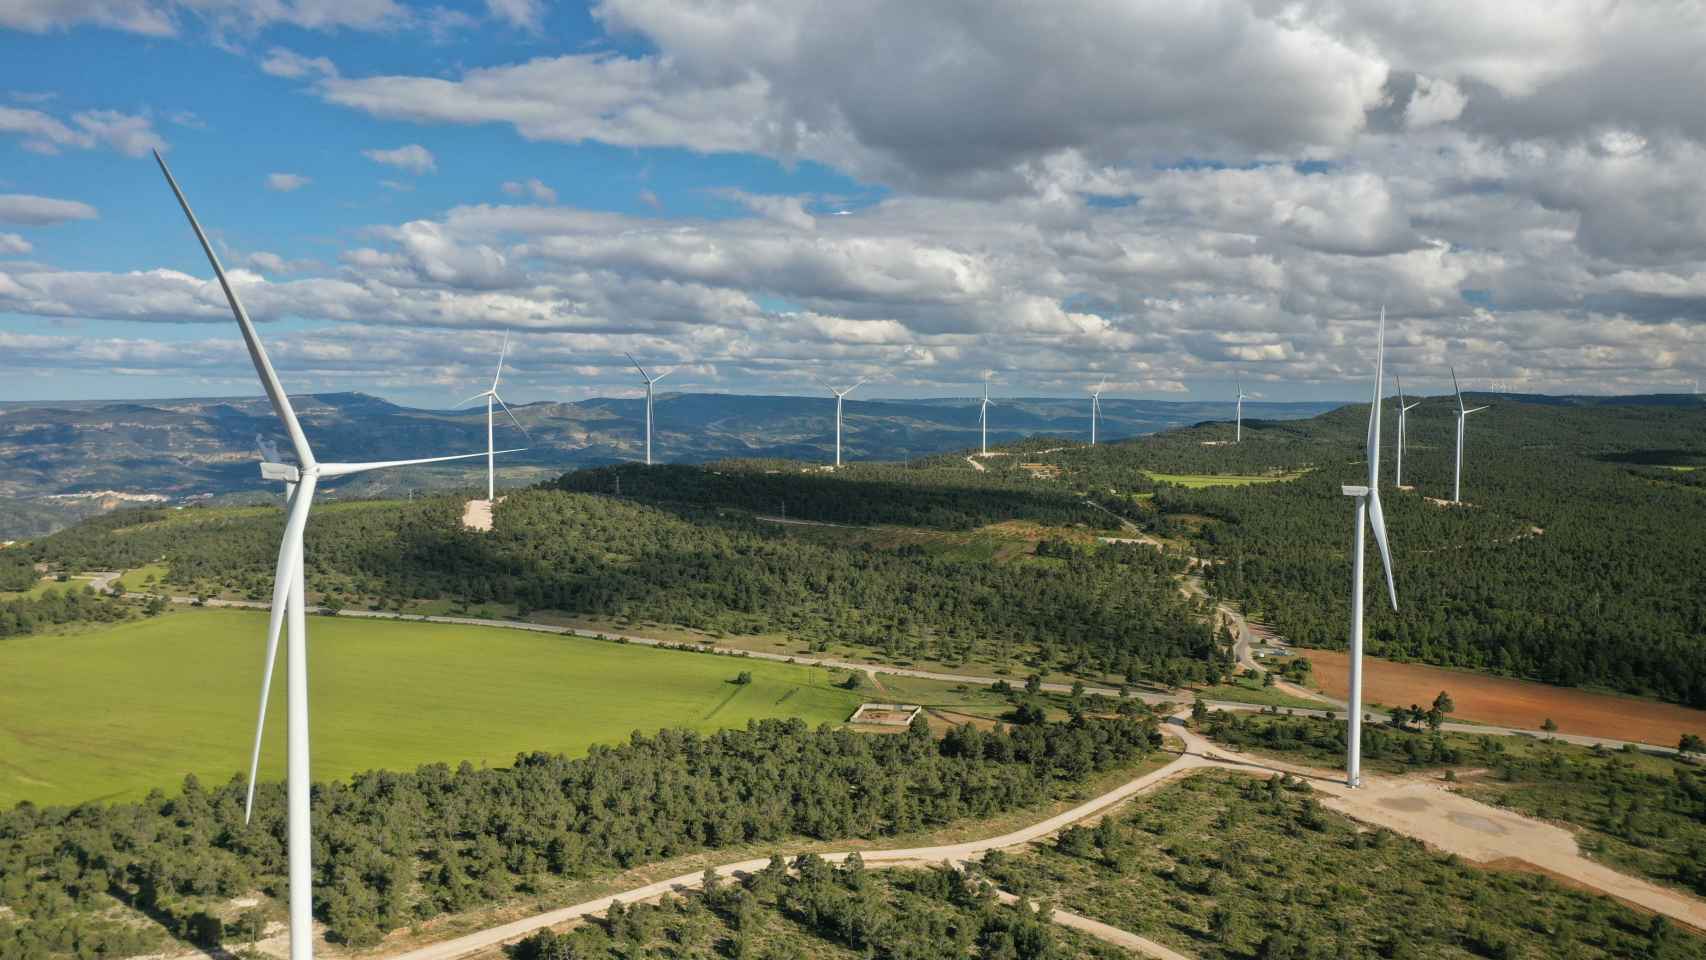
column 193, row 449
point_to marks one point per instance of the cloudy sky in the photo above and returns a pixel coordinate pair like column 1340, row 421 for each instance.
column 1166, row 194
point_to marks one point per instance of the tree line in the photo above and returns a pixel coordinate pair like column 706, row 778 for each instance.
column 393, row 848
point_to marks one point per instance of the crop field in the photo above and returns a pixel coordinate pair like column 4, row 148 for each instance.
column 112, row 712
column 1198, row 480
column 1503, row 701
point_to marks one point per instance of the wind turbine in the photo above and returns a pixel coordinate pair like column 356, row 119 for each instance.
column 839, row 394
column 489, row 396
column 983, row 417
column 1403, row 412
column 287, row 599
column 1096, row 408
column 1462, row 416
column 1368, row 513
column 1238, row 434
column 649, row 381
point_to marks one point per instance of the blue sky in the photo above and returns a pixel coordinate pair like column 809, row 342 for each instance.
column 760, row 192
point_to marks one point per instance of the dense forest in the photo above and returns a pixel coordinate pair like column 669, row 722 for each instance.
column 791, row 911
column 392, row 848
column 1104, row 610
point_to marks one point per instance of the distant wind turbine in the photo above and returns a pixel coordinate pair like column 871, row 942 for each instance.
column 839, row 395
column 1368, row 513
column 1403, row 412
column 649, row 381
column 983, row 417
column 489, row 396
column 1238, row 434
column 1096, row 408
column 1462, row 416
column 287, row 599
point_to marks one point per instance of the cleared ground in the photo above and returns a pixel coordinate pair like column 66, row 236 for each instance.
column 110, row 713
column 1501, row 701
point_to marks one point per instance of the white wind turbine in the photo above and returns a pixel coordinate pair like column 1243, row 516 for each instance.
column 649, row 381
column 1238, row 434
column 1403, row 412
column 1096, row 408
column 287, row 598
column 839, row 394
column 489, row 396
column 1462, row 416
column 983, row 417
column 1369, row 514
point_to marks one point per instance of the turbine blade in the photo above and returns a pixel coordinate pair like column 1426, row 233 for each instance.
column 477, row 396
column 1476, row 409
column 511, row 416
column 257, row 352
column 855, row 385
column 501, row 355
column 1400, row 381
column 1454, row 388
column 1377, row 523
column 1374, row 406
column 637, row 366
column 284, row 574
column 345, row 469
column 663, row 374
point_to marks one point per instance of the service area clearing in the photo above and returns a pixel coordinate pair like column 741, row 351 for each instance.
column 109, row 713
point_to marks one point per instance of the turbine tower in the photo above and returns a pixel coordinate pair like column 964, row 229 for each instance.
column 1403, row 412
column 1096, row 408
column 649, row 381
column 983, row 418
column 1368, row 514
column 839, row 394
column 287, row 599
column 1238, row 434
column 489, row 396
column 1462, row 416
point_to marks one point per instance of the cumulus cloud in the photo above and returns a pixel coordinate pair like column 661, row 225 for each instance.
column 132, row 135
column 41, row 211
column 280, row 62
column 414, row 158
column 286, row 182
column 531, row 187
column 528, row 15
column 165, row 18
column 13, row 243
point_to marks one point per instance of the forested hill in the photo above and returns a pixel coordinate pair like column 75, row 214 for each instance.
column 188, row 448
column 1577, row 556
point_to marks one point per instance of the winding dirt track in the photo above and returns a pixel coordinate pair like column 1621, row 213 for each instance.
column 1417, row 808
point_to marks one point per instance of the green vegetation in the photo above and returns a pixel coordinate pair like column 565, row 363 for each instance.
column 396, row 848
column 1111, row 610
column 822, row 911
column 1639, row 813
column 144, row 578
column 1226, row 866
column 117, row 711
column 51, row 605
column 1245, row 688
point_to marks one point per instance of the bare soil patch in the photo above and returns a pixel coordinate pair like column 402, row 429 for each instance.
column 1501, row 701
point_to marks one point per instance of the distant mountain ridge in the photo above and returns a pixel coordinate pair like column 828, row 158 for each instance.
column 202, row 448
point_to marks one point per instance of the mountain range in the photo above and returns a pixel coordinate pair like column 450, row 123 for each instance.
column 66, row 460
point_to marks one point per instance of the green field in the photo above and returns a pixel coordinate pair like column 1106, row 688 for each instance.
column 137, row 580
column 110, row 713
column 1197, row 480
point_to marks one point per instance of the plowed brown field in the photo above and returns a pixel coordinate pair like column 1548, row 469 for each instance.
column 1503, row 702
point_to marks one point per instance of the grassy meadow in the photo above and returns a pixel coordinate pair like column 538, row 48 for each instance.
column 112, row 712
column 1200, row 480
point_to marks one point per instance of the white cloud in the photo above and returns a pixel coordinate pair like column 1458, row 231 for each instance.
column 280, row 62
column 532, row 187
column 286, row 182
column 41, row 211
column 13, row 243
column 528, row 15
column 1434, row 101
column 132, row 135
column 413, row 157
column 164, row 18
